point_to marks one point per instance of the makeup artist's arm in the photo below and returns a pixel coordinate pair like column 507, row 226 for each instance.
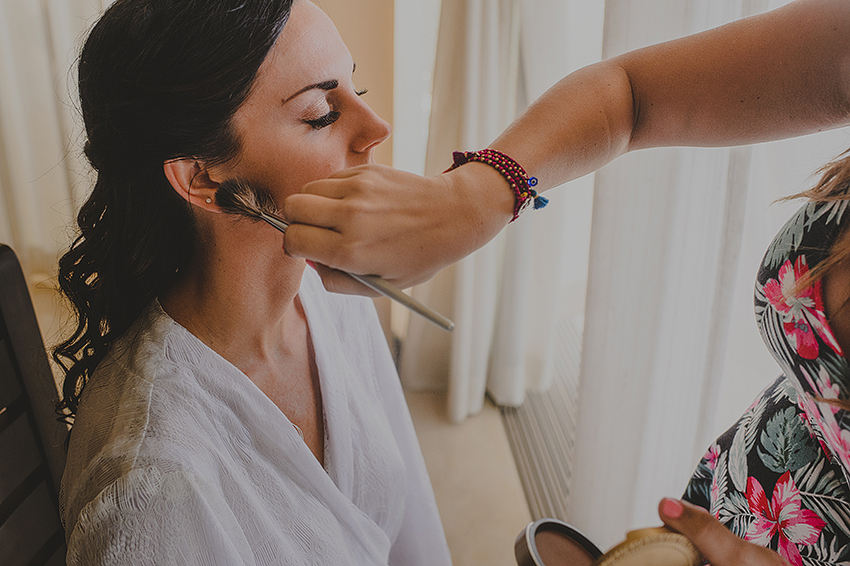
column 718, row 545
column 780, row 74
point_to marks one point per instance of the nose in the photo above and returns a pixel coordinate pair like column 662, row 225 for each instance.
column 373, row 130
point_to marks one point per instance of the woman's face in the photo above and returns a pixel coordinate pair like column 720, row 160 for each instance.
column 304, row 119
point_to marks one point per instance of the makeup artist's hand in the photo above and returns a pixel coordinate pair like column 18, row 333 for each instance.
column 719, row 545
column 377, row 220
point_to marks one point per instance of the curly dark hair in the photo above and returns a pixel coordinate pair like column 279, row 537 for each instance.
column 158, row 80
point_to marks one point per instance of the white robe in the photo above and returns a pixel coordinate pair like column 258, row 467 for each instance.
column 178, row 458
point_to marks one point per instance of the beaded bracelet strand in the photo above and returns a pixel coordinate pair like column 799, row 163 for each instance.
column 521, row 184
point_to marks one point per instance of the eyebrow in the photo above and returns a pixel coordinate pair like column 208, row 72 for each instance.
column 325, row 85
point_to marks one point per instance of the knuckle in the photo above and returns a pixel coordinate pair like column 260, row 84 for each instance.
column 356, row 208
column 359, row 187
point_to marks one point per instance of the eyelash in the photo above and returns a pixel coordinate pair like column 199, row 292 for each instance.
column 331, row 116
column 325, row 120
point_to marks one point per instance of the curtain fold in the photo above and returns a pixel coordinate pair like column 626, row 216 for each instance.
column 472, row 93
column 41, row 176
column 663, row 308
column 677, row 237
column 508, row 298
column 657, row 263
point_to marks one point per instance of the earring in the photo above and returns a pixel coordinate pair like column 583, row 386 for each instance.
column 209, row 200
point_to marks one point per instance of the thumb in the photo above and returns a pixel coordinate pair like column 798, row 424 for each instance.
column 716, row 543
column 720, row 546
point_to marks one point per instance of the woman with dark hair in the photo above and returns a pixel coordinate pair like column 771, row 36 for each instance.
column 225, row 408
column 780, row 477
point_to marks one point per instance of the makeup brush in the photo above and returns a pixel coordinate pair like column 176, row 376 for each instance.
column 238, row 196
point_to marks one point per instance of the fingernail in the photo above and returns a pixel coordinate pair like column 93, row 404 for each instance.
column 311, row 264
column 672, row 508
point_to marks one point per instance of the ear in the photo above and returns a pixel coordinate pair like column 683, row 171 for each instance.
column 192, row 182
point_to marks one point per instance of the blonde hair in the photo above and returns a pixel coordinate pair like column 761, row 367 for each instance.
column 833, row 186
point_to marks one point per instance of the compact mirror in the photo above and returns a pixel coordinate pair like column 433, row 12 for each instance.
column 550, row 542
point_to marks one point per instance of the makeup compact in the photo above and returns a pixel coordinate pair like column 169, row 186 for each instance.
column 550, row 542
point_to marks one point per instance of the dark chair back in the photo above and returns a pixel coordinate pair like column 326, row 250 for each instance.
column 31, row 440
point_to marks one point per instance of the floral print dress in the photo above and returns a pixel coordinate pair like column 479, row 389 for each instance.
column 780, row 477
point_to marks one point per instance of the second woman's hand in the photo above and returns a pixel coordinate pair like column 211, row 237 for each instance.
column 719, row 545
column 377, row 220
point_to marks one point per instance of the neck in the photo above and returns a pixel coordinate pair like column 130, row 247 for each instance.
column 238, row 294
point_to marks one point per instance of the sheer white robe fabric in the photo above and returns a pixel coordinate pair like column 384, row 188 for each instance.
column 178, row 458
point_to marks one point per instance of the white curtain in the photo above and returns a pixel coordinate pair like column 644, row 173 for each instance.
column 671, row 354
column 42, row 179
column 507, row 298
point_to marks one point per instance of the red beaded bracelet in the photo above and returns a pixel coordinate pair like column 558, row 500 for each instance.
column 521, row 184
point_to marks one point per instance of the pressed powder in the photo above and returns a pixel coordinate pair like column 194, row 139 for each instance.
column 556, row 549
column 551, row 542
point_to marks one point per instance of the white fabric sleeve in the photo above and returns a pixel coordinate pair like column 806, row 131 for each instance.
column 421, row 540
column 148, row 517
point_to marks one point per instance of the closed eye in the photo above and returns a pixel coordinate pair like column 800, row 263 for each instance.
column 324, row 121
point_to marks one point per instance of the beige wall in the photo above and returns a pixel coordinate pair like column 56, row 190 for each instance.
column 366, row 26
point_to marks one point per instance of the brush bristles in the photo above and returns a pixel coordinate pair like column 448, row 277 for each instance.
column 238, row 196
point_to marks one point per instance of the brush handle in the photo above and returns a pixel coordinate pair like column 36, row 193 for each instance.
column 387, row 289
column 275, row 221
column 383, row 287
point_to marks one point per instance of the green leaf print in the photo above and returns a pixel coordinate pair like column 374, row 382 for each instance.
column 834, row 210
column 789, row 237
column 755, row 415
column 720, row 480
column 786, row 389
column 787, row 445
column 825, row 552
column 738, row 458
column 735, row 513
column 823, row 491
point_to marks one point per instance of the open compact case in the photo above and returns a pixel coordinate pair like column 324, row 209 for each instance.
column 550, row 542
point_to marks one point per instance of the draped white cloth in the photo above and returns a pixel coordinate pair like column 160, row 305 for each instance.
column 177, row 457
column 42, row 180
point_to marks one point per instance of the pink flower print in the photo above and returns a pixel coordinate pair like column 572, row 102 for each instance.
column 802, row 314
column 782, row 516
column 711, row 456
column 836, row 440
column 822, row 386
